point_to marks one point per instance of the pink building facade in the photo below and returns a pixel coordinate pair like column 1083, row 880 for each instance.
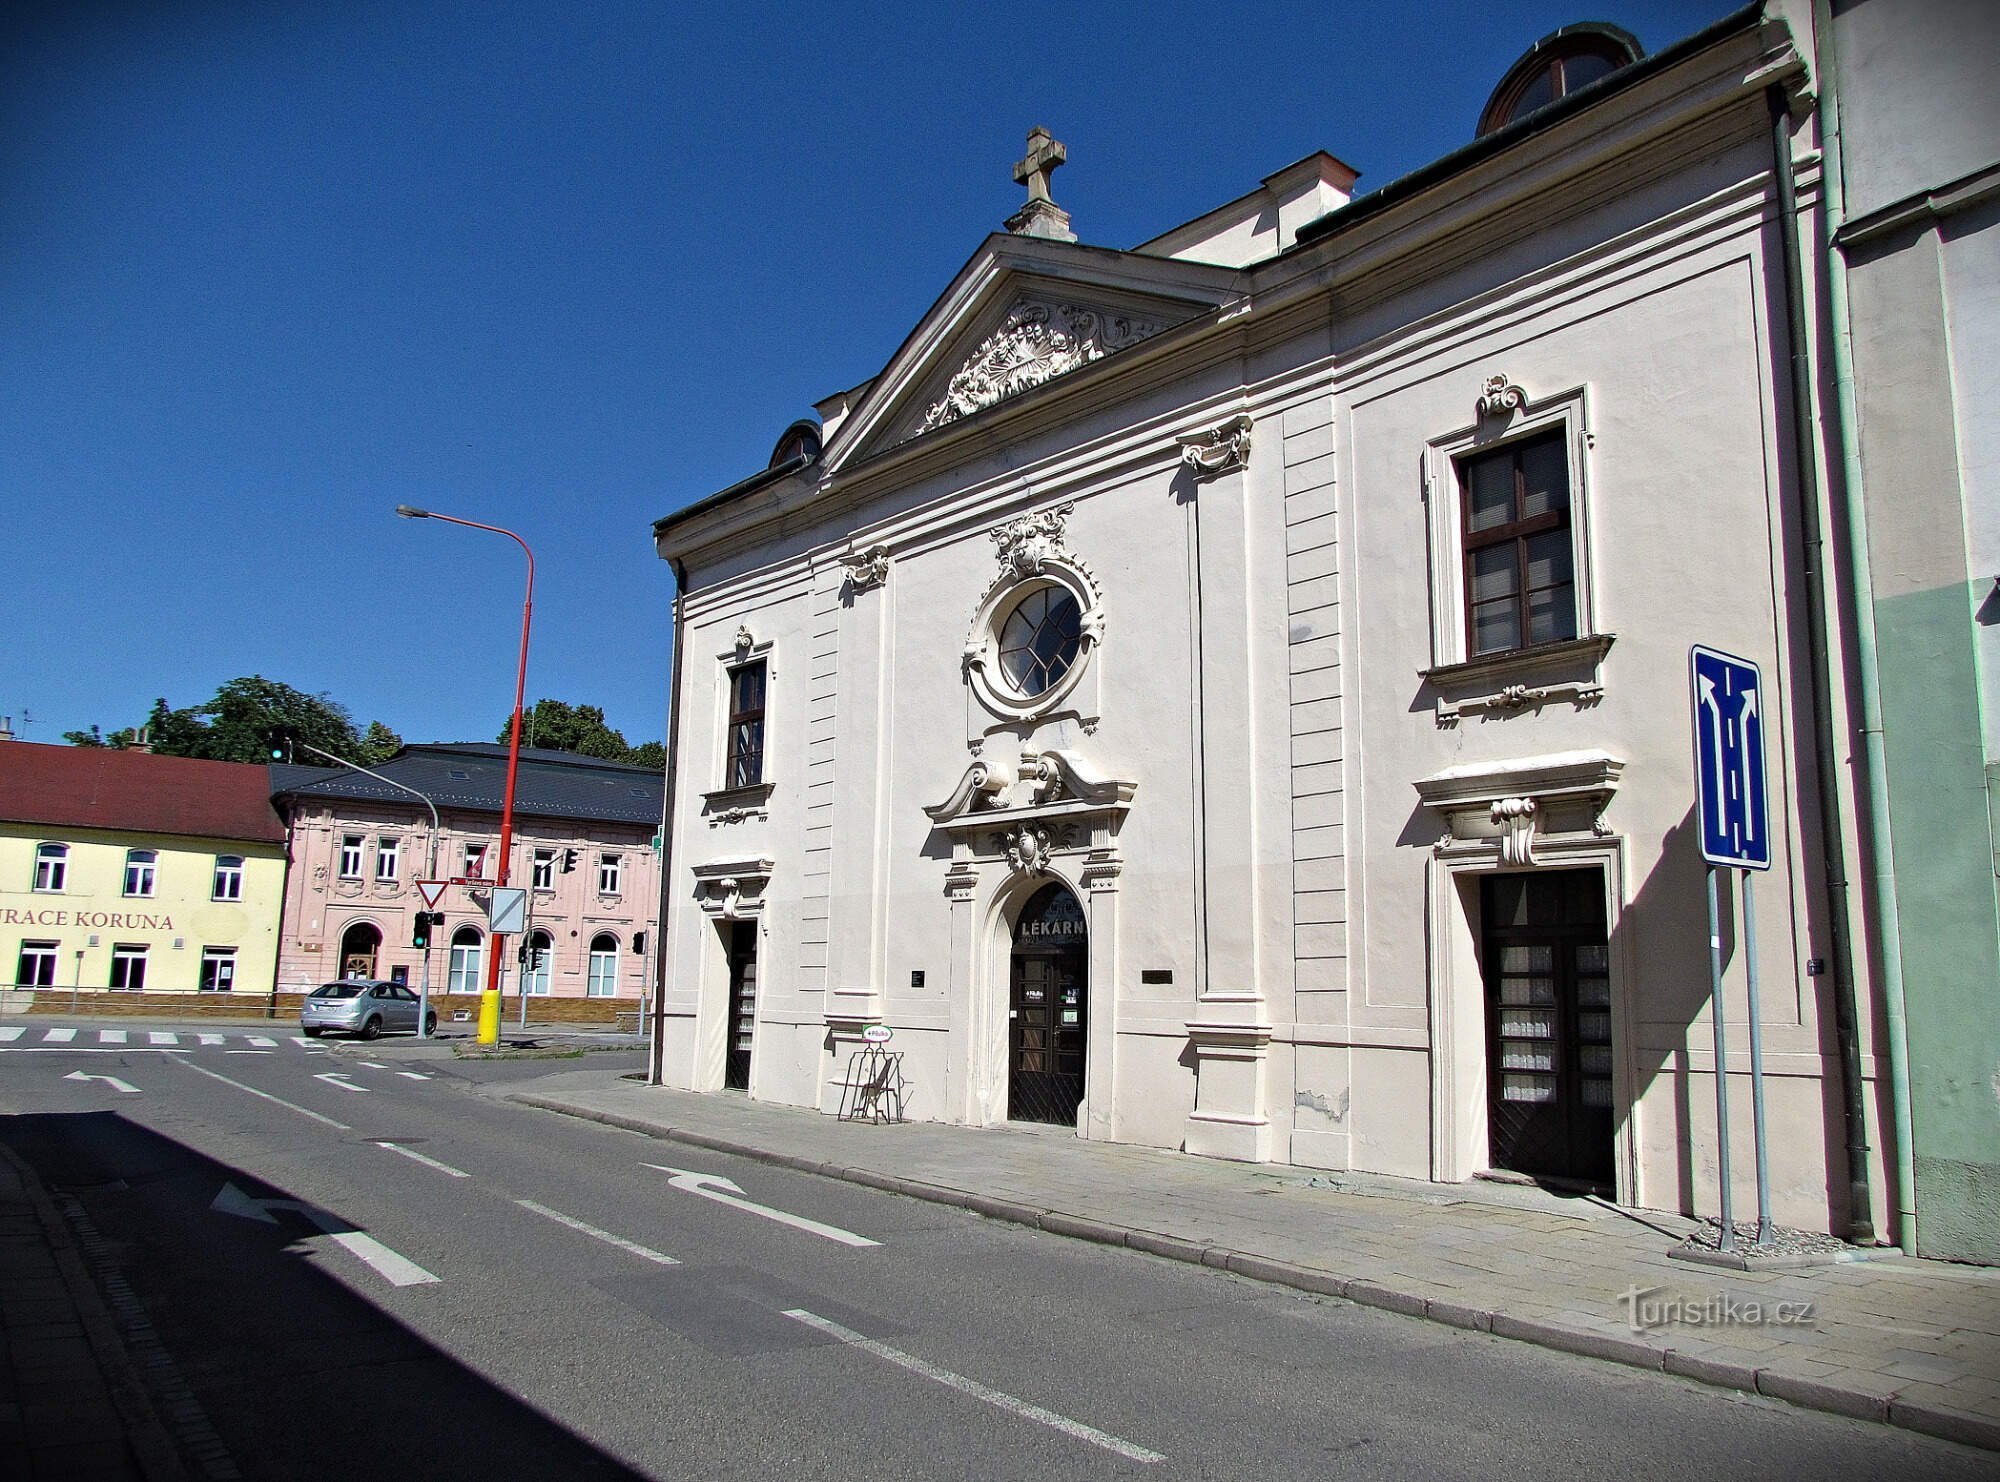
column 358, row 851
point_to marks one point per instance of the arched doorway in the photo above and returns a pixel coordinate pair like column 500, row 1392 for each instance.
column 463, row 976
column 360, row 945
column 1047, row 1008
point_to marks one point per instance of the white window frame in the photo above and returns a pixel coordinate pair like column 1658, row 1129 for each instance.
column 543, row 867
column 466, row 961
column 351, row 849
column 535, row 982
column 43, row 953
column 224, row 961
column 1445, row 501
column 475, row 860
column 610, row 874
column 602, row 980
column 51, row 868
column 228, row 885
column 388, row 860
column 124, row 957
column 142, row 873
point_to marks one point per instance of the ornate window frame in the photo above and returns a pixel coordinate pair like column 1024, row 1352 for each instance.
column 750, row 800
column 1033, row 558
column 1504, row 414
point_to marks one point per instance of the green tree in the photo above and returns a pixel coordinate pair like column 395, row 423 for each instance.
column 556, row 725
column 649, row 754
column 378, row 744
column 235, row 725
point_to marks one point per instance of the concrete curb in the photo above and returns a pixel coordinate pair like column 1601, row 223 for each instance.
column 146, row 1437
column 1812, row 1394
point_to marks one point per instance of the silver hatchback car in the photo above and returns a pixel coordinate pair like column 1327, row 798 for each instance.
column 363, row 1006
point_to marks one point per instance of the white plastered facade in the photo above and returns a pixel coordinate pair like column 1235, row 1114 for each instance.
column 1272, row 779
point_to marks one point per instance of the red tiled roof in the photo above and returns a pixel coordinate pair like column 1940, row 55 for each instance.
column 134, row 791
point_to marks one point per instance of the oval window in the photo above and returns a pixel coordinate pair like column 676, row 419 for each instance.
column 1039, row 641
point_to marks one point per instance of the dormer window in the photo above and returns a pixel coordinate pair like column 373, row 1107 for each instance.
column 1556, row 66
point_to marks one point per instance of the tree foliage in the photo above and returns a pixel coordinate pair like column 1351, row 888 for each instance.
column 235, row 725
column 556, row 725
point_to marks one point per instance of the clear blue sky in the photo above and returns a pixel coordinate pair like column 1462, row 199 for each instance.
column 269, row 269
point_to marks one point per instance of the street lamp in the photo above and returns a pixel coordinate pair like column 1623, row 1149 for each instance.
column 489, row 1001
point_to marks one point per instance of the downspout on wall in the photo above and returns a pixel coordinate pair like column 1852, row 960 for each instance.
column 1842, row 420
column 656, row 1051
column 1822, row 676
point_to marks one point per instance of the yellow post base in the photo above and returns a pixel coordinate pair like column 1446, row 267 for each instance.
column 489, row 1017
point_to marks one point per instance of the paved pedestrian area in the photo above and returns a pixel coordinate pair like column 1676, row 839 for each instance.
column 1913, row 1343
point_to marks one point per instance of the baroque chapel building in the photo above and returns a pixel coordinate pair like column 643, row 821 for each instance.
column 1231, row 694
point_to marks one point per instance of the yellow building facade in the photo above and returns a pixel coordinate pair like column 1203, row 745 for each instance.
column 129, row 873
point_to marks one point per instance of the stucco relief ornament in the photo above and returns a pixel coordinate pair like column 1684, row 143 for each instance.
column 1219, row 449
column 866, row 569
column 1028, row 846
column 1025, row 544
column 1037, row 343
column 1516, row 817
column 745, row 640
column 1499, row 397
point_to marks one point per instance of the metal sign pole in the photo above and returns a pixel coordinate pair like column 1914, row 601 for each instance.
column 1728, row 1237
column 1756, row 1064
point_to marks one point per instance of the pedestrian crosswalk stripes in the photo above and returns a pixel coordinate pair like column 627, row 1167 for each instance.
column 25, row 1036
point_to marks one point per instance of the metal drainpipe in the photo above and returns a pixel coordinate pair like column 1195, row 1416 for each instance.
column 1861, row 1224
column 658, row 1048
column 1888, row 923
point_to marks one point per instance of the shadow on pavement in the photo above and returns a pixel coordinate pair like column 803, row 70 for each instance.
column 290, row 1374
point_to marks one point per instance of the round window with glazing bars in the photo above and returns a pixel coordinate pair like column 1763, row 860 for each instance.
column 1039, row 641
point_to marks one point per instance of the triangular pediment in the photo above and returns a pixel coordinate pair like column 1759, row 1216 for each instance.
column 1023, row 313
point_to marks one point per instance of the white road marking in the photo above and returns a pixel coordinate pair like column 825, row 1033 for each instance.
column 396, row 1147
column 413, row 1075
column 111, row 1036
column 339, row 1078
column 163, row 1037
column 266, row 1095
column 372, row 1064
column 110, row 1080
column 306, row 1044
column 260, row 1041
column 59, row 1036
column 973, row 1387
column 725, row 1191
column 397, row 1270
column 93, row 1050
column 591, row 1230
column 209, row 1039
column 246, row 1052
column 11, row 1033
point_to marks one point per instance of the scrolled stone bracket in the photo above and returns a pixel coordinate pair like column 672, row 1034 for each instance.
column 1219, row 449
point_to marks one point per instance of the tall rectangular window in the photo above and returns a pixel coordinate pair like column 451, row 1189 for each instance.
column 609, row 869
column 350, row 856
column 128, row 966
column 388, row 859
column 475, row 861
column 37, row 967
column 228, row 877
column 545, row 869
column 141, row 867
column 51, row 867
column 218, row 969
column 746, row 725
column 1520, row 583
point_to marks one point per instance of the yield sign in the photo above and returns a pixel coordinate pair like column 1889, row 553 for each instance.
column 432, row 891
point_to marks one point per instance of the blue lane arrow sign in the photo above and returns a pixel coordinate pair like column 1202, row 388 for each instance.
column 1729, row 760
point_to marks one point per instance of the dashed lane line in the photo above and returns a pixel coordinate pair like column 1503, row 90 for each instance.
column 415, row 1156
column 1013, row 1404
column 265, row 1095
column 606, row 1236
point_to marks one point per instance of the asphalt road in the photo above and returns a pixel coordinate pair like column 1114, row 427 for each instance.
column 339, row 1262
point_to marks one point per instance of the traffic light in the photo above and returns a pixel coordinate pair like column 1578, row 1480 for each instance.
column 420, row 929
column 278, row 743
column 569, row 860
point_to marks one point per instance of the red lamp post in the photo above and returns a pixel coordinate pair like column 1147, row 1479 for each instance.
column 489, row 1000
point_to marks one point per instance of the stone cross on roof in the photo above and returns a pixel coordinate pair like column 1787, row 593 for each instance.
column 1041, row 216
column 1044, row 153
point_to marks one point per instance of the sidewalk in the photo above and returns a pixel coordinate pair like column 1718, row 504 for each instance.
column 1913, row 1343
column 71, row 1402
